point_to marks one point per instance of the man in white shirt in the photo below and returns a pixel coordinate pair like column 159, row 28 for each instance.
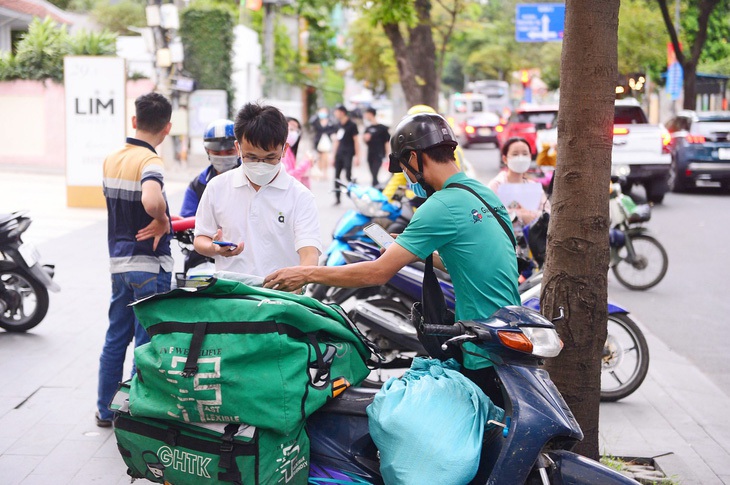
column 270, row 218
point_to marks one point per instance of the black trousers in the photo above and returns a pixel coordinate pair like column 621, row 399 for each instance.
column 342, row 162
column 375, row 164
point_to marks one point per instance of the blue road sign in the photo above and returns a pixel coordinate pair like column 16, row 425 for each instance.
column 539, row 22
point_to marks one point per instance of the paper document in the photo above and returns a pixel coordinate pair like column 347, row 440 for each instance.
column 527, row 195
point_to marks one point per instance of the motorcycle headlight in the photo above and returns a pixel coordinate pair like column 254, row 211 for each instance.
column 545, row 341
column 368, row 207
column 538, row 341
column 621, row 170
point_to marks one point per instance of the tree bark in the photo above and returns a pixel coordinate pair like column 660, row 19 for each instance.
column 578, row 254
column 416, row 58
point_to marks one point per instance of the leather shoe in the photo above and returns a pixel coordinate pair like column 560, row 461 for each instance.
column 102, row 423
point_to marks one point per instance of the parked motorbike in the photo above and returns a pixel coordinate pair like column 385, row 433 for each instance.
column 384, row 312
column 531, row 446
column 196, row 267
column 638, row 260
column 24, row 279
column 370, row 206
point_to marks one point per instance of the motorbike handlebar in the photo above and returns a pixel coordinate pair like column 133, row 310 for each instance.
column 443, row 330
column 183, row 224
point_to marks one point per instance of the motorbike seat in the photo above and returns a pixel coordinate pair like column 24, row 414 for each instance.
column 353, row 402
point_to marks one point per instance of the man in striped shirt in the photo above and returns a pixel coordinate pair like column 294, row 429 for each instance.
column 139, row 238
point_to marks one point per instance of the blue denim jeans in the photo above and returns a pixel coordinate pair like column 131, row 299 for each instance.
column 123, row 327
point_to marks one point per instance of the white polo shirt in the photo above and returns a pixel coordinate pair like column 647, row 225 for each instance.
column 274, row 223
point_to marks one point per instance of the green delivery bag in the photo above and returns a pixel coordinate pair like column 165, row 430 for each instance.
column 177, row 453
column 231, row 353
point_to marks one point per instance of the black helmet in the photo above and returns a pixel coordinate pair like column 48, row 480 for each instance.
column 419, row 132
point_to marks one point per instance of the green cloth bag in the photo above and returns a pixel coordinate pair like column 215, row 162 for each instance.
column 231, row 353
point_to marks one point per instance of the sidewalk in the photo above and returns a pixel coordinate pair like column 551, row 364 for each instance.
column 48, row 375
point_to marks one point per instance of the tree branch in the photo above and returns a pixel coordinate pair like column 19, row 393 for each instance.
column 445, row 40
column 672, row 32
column 706, row 8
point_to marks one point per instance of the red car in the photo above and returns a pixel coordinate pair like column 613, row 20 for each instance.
column 525, row 121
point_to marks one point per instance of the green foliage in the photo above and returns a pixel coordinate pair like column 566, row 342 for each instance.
column 207, row 35
column 717, row 45
column 41, row 51
column 40, row 54
column 372, row 56
column 119, row 16
column 638, row 51
column 387, row 12
column 9, row 69
column 85, row 43
column 286, row 58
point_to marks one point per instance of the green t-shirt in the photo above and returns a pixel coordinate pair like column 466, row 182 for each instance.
column 472, row 244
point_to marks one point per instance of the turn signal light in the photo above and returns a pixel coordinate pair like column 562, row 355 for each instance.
column 695, row 139
column 666, row 141
column 620, row 131
column 499, row 128
column 515, row 340
column 469, row 129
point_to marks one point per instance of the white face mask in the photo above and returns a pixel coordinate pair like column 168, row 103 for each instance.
column 223, row 163
column 519, row 163
column 292, row 137
column 261, row 173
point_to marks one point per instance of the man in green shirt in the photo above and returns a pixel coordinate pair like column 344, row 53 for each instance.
column 470, row 242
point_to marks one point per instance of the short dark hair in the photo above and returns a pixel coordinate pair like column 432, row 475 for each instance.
column 153, row 112
column 511, row 141
column 441, row 153
column 263, row 126
column 342, row 108
column 371, row 110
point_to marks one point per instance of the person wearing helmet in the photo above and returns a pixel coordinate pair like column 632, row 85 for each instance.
column 219, row 142
column 398, row 179
column 477, row 251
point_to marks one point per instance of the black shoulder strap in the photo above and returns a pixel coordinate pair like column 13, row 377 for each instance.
column 491, row 209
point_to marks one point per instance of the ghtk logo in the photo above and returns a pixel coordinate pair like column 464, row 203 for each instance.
column 476, row 216
column 184, row 461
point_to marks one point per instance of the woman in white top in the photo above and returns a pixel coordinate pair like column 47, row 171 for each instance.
column 516, row 155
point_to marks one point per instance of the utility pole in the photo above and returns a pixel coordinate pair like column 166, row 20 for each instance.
column 269, row 17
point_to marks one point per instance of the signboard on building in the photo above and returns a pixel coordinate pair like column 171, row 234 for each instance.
column 539, row 22
column 95, row 123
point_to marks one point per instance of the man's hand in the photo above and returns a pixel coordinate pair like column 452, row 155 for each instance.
column 225, row 251
column 356, row 160
column 287, row 279
column 155, row 229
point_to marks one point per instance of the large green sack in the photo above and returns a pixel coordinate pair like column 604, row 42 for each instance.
column 176, row 453
column 231, row 353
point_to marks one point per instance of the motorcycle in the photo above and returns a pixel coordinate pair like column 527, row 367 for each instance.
column 370, row 206
column 384, row 314
column 196, row 268
column 638, row 260
column 24, row 279
column 533, row 443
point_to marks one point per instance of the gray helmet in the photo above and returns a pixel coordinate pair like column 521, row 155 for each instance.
column 419, row 132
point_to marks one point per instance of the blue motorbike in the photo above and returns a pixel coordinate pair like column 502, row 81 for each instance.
column 531, row 446
column 384, row 312
column 371, row 205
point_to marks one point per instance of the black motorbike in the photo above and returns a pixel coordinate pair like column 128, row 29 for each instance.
column 24, row 279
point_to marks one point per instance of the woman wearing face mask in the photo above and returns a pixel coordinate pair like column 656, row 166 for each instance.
column 322, row 142
column 516, row 155
column 299, row 171
column 219, row 142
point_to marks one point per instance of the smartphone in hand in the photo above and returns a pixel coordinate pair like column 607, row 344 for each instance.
column 379, row 235
column 226, row 244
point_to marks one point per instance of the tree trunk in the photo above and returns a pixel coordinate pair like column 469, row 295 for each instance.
column 689, row 65
column 416, row 58
column 578, row 255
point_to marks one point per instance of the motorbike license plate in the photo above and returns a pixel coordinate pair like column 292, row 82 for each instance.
column 723, row 153
column 484, row 131
column 29, row 253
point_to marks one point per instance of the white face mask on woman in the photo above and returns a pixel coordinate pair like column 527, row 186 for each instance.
column 292, row 137
column 519, row 163
column 261, row 173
